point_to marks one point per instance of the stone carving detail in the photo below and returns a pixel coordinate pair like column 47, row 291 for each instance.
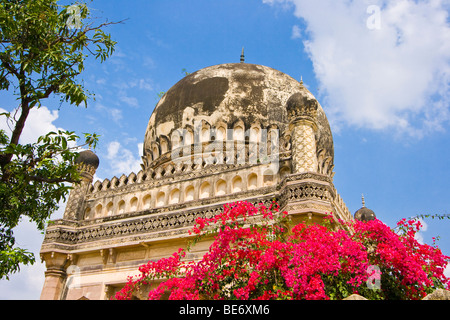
column 179, row 219
column 325, row 164
column 153, row 223
column 75, row 203
column 306, row 191
column 304, row 157
column 302, row 105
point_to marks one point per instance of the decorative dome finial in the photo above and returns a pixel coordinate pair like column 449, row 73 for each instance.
column 363, row 200
column 242, row 55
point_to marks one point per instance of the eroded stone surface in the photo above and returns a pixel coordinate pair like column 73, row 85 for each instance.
column 229, row 93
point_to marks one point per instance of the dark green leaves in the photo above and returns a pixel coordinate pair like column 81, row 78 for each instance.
column 43, row 46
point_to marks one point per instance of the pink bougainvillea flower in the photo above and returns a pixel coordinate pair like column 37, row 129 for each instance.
column 269, row 259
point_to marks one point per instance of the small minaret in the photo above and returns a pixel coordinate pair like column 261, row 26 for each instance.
column 88, row 163
column 56, row 262
column 364, row 214
column 302, row 112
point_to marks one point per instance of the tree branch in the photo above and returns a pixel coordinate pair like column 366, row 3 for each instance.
column 52, row 180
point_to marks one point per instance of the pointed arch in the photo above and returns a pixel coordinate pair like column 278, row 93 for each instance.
column 146, row 201
column 205, row 190
column 121, row 207
column 133, row 204
column 160, row 199
column 174, row 196
column 110, row 209
column 189, row 193
column 252, row 181
column 221, row 187
column 237, row 184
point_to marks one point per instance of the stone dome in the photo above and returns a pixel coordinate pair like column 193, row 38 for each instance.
column 89, row 158
column 226, row 95
column 365, row 214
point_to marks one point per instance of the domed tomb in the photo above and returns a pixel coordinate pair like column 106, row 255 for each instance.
column 227, row 95
column 110, row 227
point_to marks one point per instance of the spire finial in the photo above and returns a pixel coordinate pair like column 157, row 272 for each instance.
column 363, row 200
column 301, row 80
column 242, row 55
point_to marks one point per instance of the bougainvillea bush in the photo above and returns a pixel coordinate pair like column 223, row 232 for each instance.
column 258, row 254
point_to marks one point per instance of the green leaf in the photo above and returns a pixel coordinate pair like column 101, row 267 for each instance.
column 42, row 57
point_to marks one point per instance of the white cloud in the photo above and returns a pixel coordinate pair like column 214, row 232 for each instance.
column 145, row 84
column 123, row 95
column 138, row 83
column 296, row 32
column 123, row 160
column 39, row 122
column 390, row 70
column 131, row 101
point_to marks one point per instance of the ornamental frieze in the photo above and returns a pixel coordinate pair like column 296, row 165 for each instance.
column 86, row 232
column 150, row 224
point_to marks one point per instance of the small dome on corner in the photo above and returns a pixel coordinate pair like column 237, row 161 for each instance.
column 364, row 214
column 89, row 158
column 302, row 99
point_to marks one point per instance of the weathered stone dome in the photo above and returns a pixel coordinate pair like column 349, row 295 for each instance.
column 228, row 94
column 89, row 158
column 365, row 214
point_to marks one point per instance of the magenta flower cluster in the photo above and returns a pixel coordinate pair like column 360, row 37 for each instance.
column 258, row 254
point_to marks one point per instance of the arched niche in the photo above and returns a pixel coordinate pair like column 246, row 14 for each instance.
column 189, row 193
column 121, row 207
column 237, row 184
column 146, row 201
column 109, row 209
column 205, row 190
column 252, row 181
column 160, row 199
column 98, row 210
column 133, row 204
column 174, row 196
column 221, row 187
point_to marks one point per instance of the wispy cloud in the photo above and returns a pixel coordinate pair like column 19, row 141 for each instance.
column 124, row 88
column 296, row 32
column 380, row 64
column 122, row 160
column 114, row 114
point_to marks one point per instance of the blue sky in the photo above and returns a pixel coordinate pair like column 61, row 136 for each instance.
column 380, row 69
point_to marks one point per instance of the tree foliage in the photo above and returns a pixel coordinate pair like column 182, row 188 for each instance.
column 256, row 254
column 43, row 51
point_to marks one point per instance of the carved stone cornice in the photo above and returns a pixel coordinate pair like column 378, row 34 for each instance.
column 140, row 227
column 177, row 220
